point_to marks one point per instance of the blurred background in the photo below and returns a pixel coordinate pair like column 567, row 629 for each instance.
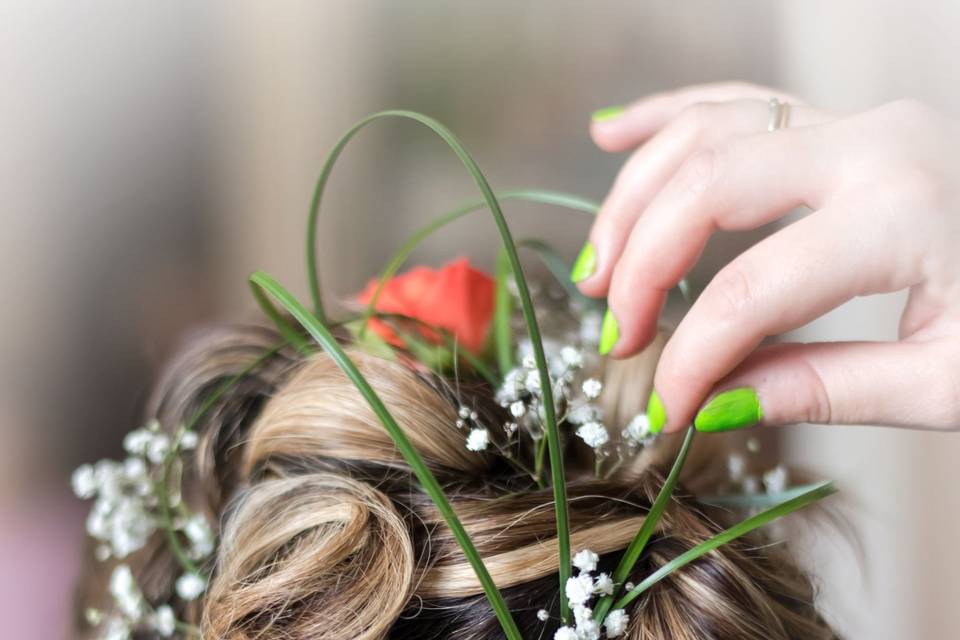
column 153, row 154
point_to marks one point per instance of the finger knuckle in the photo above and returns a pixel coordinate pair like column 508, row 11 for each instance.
column 818, row 406
column 698, row 173
column 732, row 293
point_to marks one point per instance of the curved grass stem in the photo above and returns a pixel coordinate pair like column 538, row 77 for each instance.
column 533, row 329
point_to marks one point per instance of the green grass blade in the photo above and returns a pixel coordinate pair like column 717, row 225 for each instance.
column 502, row 314
column 533, row 329
column 819, row 492
column 287, row 330
column 632, row 554
column 755, row 500
column 556, row 198
column 318, row 330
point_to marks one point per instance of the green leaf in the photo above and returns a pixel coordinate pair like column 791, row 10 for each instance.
column 370, row 341
column 818, row 492
column 502, row 313
column 533, row 329
column 451, row 349
column 632, row 554
column 317, row 328
column 560, row 270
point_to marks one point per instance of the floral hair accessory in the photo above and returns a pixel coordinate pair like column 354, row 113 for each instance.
column 442, row 319
column 456, row 298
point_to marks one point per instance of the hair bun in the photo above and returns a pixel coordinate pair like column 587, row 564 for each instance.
column 319, row 413
column 310, row 556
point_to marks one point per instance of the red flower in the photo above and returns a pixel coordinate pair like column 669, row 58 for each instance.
column 456, row 298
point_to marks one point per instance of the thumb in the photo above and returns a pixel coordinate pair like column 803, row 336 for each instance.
column 907, row 384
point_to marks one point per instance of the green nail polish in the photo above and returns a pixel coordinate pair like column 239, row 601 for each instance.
column 656, row 413
column 585, row 265
column 609, row 333
column 607, row 113
column 730, row 410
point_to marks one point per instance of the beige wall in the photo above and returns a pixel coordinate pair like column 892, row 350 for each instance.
column 899, row 488
column 155, row 154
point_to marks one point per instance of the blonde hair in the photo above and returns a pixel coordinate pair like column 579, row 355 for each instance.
column 324, row 532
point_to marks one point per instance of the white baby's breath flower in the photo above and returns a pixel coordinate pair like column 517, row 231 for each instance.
column 571, row 357
column 775, row 480
column 130, row 526
column 579, row 590
column 566, row 633
column 581, row 614
column 108, row 475
column 158, row 447
column 588, row 630
column 84, row 482
column 517, row 409
column 188, row 440
column 102, row 553
column 532, row 381
column 163, row 621
column 190, row 585
column 478, row 439
column 638, row 429
column 198, row 531
column 594, row 434
column 512, row 386
column 586, row 560
column 629, row 586
column 616, row 623
column 135, row 443
column 753, row 445
column 591, row 388
column 603, row 584
column 751, row 485
column 98, row 520
column 125, row 592
column 93, row 616
column 134, row 469
column 543, row 615
column 736, row 465
column 464, row 412
column 584, row 413
column 116, row 628
column 529, row 362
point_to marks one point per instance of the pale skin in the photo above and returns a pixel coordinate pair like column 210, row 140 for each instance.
column 883, row 189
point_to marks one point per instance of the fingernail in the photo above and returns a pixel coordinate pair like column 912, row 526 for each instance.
column 585, row 265
column 656, row 413
column 607, row 113
column 730, row 410
column 609, row 333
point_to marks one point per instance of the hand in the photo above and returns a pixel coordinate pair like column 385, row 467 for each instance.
column 884, row 189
